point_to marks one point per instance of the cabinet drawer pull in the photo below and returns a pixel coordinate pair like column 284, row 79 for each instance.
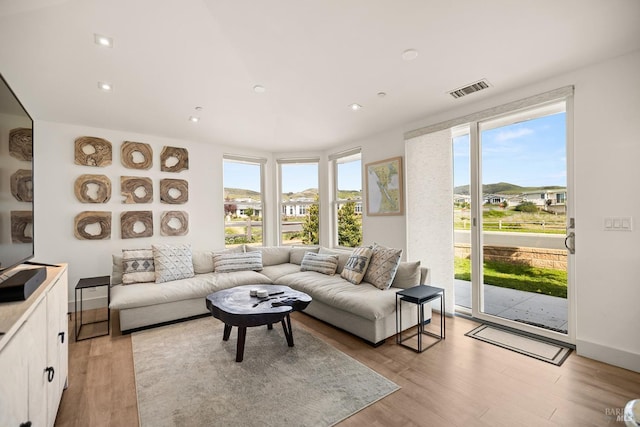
column 61, row 335
column 50, row 373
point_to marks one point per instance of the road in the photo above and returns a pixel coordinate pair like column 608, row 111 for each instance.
column 527, row 240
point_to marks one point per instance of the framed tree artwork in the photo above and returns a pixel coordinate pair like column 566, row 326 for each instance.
column 384, row 187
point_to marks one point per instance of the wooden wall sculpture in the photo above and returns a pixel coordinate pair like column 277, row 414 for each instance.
column 174, row 159
column 174, row 191
column 92, row 151
column 129, row 227
column 128, row 154
column 136, row 189
column 174, row 223
column 20, row 145
column 20, row 221
column 22, row 185
column 82, row 186
column 85, row 219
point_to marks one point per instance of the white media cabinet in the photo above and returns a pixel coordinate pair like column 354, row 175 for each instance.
column 34, row 353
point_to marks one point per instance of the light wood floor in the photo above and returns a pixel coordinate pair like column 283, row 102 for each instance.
column 458, row 382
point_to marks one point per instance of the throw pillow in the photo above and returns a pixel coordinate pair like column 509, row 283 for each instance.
column 343, row 256
column 383, row 266
column 137, row 266
column 408, row 275
column 356, row 266
column 297, row 253
column 271, row 255
column 229, row 262
column 172, row 262
column 325, row 264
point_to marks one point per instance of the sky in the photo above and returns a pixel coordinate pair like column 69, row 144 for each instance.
column 530, row 154
column 295, row 177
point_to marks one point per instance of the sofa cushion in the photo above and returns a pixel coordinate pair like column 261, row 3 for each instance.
column 271, row 255
column 383, row 266
column 172, row 262
column 229, row 262
column 274, row 272
column 364, row 300
column 357, row 264
column 407, row 276
column 116, row 269
column 199, row 286
column 297, row 253
column 325, row 264
column 137, row 266
column 343, row 256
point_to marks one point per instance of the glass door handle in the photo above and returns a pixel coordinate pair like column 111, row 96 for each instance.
column 572, row 248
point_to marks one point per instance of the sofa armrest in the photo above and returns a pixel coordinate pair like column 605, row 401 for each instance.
column 424, row 276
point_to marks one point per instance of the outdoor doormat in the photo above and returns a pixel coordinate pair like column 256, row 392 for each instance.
column 538, row 349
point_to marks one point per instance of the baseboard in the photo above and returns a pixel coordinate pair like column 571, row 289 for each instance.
column 612, row 356
column 88, row 303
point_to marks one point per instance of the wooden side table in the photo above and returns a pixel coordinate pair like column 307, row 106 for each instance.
column 419, row 295
column 91, row 282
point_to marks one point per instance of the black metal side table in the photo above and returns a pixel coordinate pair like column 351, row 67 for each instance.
column 419, row 295
column 92, row 282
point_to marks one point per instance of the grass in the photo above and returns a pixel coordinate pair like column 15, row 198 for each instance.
column 515, row 276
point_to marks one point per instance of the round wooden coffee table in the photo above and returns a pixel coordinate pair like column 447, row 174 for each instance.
column 236, row 307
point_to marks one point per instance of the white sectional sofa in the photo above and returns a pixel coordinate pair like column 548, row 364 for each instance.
column 363, row 309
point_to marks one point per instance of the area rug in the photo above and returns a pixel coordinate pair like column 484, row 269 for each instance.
column 532, row 347
column 187, row 376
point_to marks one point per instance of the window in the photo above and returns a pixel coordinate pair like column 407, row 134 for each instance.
column 299, row 198
column 243, row 200
column 347, row 198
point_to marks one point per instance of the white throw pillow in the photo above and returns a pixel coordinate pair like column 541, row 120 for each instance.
column 325, row 264
column 383, row 266
column 356, row 266
column 229, row 262
column 137, row 266
column 172, row 262
column 407, row 276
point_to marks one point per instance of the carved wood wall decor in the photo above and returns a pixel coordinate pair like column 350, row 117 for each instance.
column 128, row 155
column 174, row 159
column 129, row 227
column 92, row 151
column 136, row 189
column 20, row 221
column 85, row 219
column 82, row 186
column 22, row 185
column 20, row 145
column 174, row 223
column 174, row 191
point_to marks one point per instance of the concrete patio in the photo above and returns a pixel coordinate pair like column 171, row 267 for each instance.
column 528, row 307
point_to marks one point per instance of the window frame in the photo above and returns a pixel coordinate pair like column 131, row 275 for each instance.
column 335, row 203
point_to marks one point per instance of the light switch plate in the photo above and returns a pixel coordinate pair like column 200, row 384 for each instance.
column 618, row 223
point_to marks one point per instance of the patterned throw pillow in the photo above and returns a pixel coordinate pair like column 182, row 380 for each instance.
column 228, row 262
column 383, row 266
column 356, row 266
column 172, row 262
column 325, row 264
column 137, row 266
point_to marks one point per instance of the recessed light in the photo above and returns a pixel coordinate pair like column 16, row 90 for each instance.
column 355, row 107
column 194, row 119
column 259, row 89
column 101, row 40
column 382, row 94
column 409, row 54
column 198, row 108
column 105, row 86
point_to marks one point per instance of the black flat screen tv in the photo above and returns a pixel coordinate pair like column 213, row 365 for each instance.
column 16, row 180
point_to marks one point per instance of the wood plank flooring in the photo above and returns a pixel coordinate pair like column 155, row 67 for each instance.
column 458, row 382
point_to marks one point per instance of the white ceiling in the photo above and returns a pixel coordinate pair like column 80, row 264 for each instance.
column 313, row 57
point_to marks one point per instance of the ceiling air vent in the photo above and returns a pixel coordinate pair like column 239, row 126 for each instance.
column 469, row 89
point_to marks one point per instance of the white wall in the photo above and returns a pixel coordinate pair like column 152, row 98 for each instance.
column 56, row 205
column 606, row 156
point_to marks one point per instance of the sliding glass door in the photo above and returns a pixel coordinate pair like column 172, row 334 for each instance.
column 512, row 221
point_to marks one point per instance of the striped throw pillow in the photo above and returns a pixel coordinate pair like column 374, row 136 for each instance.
column 137, row 266
column 229, row 262
column 325, row 264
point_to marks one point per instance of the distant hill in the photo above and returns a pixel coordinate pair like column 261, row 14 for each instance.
column 240, row 193
column 504, row 188
column 309, row 193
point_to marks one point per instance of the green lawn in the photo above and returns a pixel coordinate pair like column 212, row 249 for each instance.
column 515, row 276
